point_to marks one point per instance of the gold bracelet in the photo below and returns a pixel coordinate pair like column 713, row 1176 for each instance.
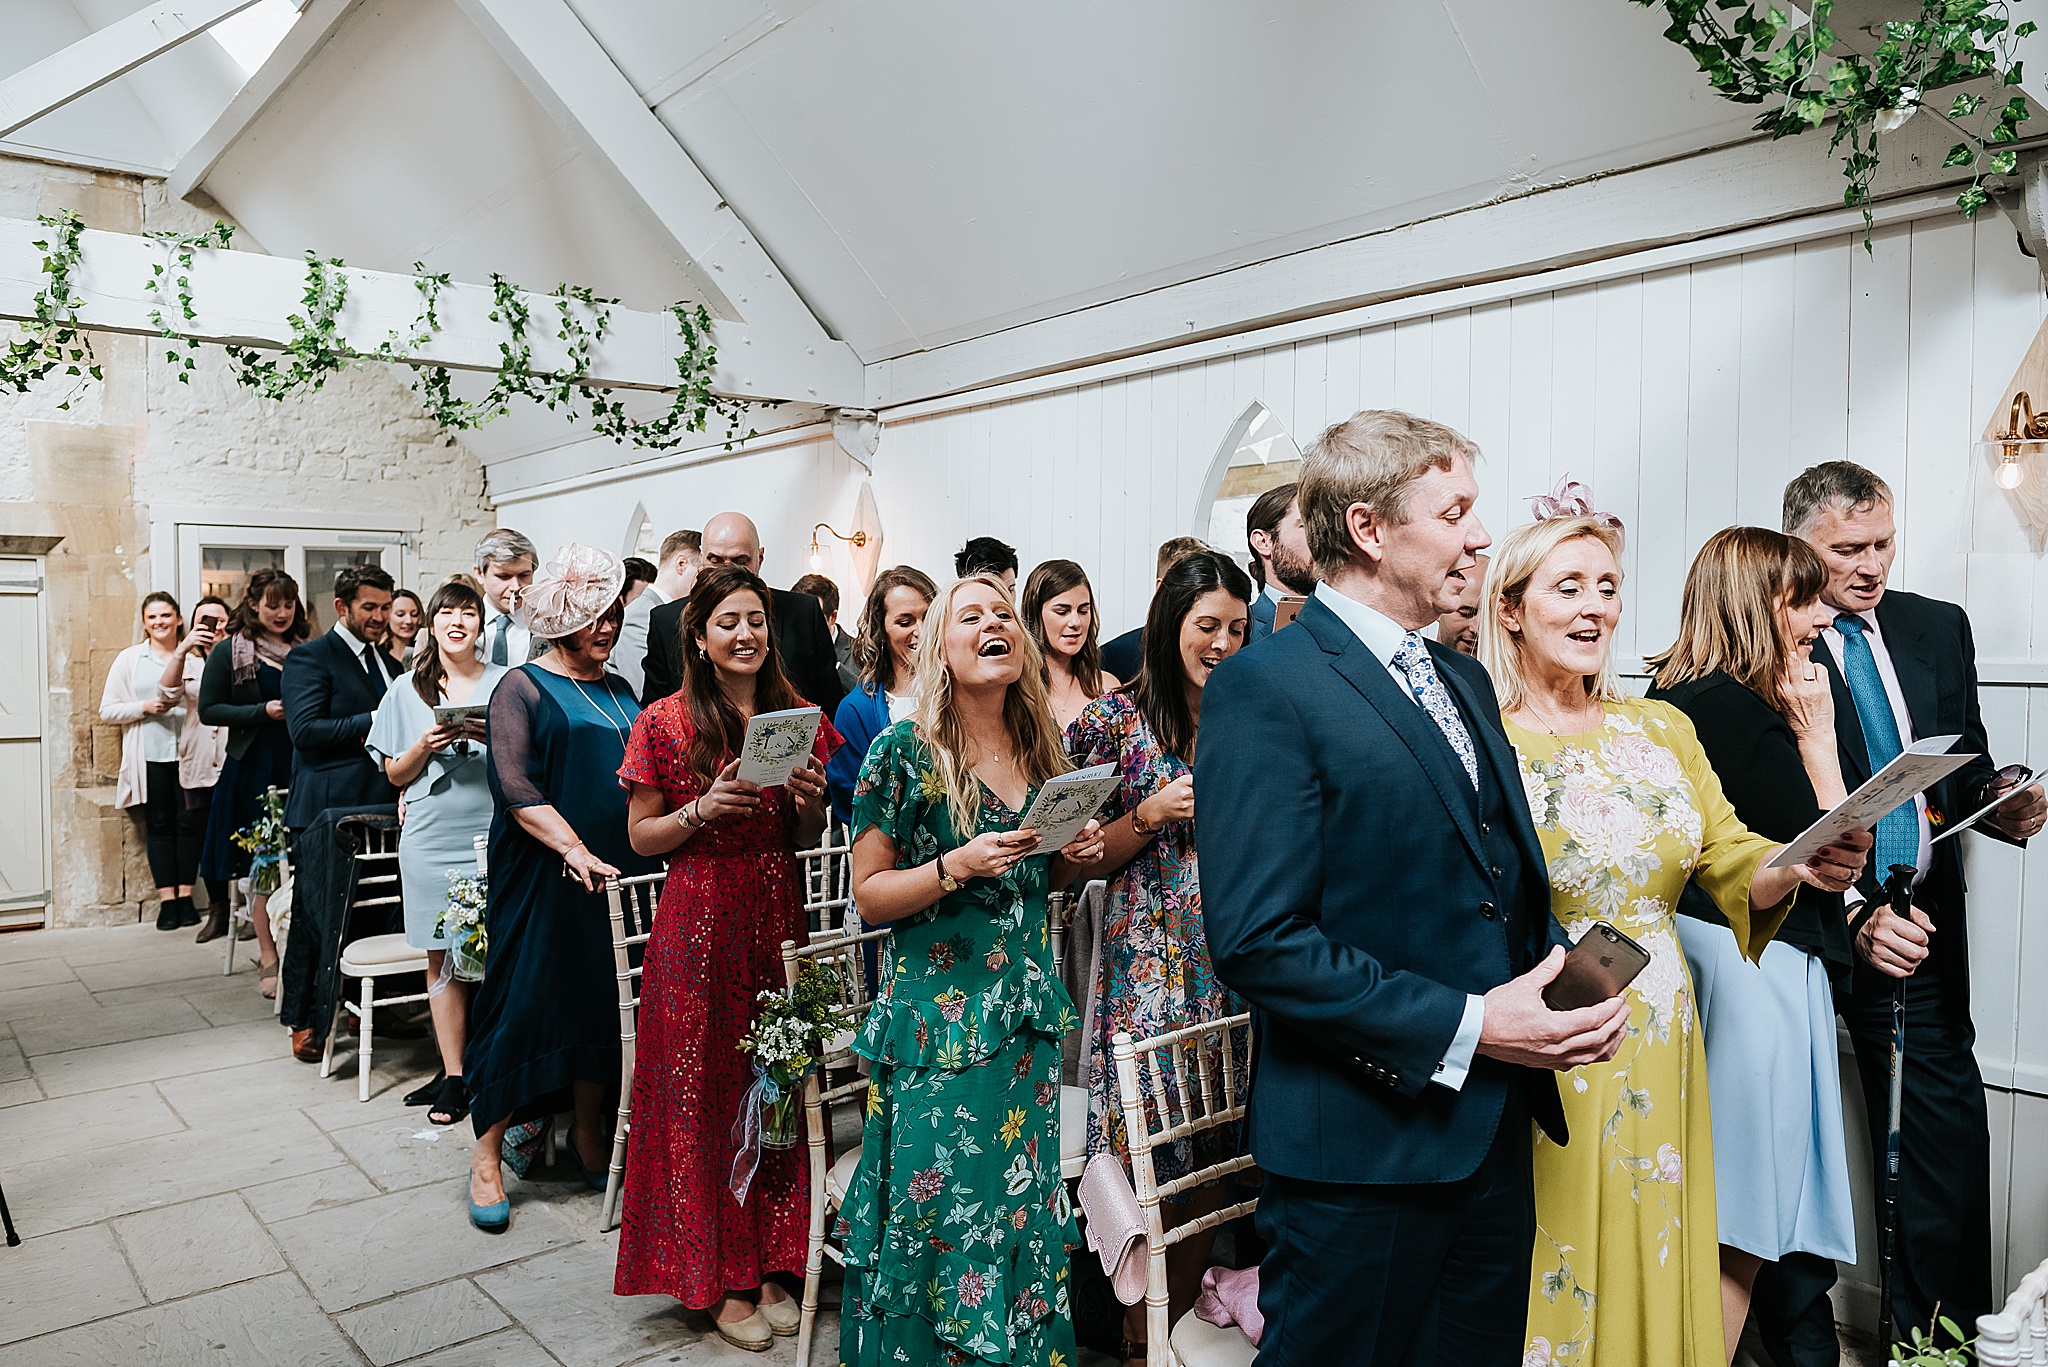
column 1139, row 826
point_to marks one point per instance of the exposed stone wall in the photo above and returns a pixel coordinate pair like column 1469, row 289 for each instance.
column 90, row 473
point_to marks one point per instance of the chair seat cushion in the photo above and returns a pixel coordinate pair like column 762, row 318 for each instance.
column 1073, row 1123
column 382, row 954
column 1198, row 1343
column 840, row 1174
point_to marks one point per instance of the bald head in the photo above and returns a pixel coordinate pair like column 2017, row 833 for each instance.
column 732, row 539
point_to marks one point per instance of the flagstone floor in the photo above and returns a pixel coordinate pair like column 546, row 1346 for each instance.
column 187, row 1192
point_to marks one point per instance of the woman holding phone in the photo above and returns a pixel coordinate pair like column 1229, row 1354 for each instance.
column 442, row 768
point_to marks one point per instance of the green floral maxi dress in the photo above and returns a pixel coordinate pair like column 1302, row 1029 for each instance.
column 956, row 1223
column 1627, row 1269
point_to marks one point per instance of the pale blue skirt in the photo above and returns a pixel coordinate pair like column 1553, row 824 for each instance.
column 1781, row 1165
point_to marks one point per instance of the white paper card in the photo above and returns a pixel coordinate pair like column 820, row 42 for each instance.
column 1065, row 804
column 1988, row 808
column 473, row 715
column 1919, row 767
column 777, row 744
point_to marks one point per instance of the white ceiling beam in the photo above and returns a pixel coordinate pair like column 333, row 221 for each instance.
column 247, row 298
column 318, row 23
column 106, row 55
column 565, row 68
column 1681, row 200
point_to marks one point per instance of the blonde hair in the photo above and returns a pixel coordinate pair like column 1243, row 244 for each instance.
column 1027, row 711
column 1728, row 620
column 1515, row 562
column 1371, row 458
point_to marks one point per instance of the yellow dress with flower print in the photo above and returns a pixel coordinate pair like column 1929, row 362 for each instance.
column 1626, row 1269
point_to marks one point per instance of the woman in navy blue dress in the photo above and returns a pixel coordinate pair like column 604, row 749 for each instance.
column 545, row 1026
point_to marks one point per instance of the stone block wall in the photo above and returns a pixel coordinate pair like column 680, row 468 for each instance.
column 90, row 473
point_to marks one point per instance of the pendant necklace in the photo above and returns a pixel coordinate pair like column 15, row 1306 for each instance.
column 602, row 711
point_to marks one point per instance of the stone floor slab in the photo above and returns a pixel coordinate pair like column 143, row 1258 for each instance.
column 35, row 973
column 422, row 1321
column 57, row 1280
column 60, row 1031
column 92, row 1120
column 198, row 1246
column 269, row 1323
column 143, row 969
column 13, row 1064
column 409, row 1239
column 341, row 1185
column 408, row 1152
column 45, row 999
column 206, row 981
column 508, row 1348
column 229, row 1001
column 551, row 1298
column 20, row 1092
column 148, row 1060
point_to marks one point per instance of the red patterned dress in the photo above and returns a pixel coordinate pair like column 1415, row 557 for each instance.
column 733, row 895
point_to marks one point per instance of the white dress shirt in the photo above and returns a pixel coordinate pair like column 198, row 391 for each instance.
column 1382, row 635
column 1924, row 857
column 629, row 656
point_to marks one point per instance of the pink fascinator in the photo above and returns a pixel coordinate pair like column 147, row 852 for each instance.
column 575, row 589
column 1570, row 499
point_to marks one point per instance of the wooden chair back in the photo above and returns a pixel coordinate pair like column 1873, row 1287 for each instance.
column 631, row 904
column 827, row 869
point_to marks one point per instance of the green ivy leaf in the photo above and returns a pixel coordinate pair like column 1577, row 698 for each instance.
column 1972, row 199
column 1959, row 155
column 2003, row 163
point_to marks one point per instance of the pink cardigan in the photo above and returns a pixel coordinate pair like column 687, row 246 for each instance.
column 201, row 749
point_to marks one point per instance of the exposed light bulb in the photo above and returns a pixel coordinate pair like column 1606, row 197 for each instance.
column 2009, row 473
column 818, row 561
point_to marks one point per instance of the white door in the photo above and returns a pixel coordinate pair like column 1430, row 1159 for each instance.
column 24, row 707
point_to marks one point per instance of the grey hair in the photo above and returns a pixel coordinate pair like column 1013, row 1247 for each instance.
column 503, row 546
column 1832, row 483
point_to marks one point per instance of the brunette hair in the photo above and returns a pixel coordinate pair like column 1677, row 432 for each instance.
column 1728, row 619
column 265, row 585
column 1521, row 553
column 820, row 588
column 1027, row 712
column 159, row 596
column 871, row 640
column 1048, row 581
column 353, row 579
column 1267, row 512
column 638, row 571
column 429, row 670
column 1160, row 689
column 217, row 601
column 717, row 729
column 397, row 594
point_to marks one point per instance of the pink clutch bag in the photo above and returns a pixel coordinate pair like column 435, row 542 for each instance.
column 1116, row 1227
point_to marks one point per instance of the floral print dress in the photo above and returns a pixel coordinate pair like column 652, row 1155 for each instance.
column 956, row 1223
column 1154, row 973
column 1627, row 1261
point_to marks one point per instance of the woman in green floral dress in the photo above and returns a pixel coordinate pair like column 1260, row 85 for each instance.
column 956, row 1223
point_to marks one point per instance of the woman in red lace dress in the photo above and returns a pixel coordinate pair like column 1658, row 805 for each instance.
column 733, row 895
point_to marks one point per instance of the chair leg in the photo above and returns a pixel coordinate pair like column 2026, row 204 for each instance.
column 615, row 1177
column 333, row 1027
column 234, row 897
column 364, row 1035
column 277, row 998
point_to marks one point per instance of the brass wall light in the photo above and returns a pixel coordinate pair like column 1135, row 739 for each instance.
column 856, row 539
column 2022, row 428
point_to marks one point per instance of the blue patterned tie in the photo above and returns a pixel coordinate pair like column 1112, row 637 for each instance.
column 1412, row 659
column 1898, row 834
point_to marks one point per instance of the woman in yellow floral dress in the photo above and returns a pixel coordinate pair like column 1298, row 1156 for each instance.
column 1626, row 1268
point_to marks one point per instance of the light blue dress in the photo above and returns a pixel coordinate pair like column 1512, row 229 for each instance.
column 446, row 807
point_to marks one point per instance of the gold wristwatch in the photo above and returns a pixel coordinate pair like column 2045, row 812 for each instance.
column 946, row 880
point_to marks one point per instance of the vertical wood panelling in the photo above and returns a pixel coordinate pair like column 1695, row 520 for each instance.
column 1450, row 369
column 1662, row 557
column 1491, row 371
column 1764, row 418
column 1939, row 425
column 1713, row 399
column 1531, row 365
column 1820, row 353
column 1573, row 385
column 1412, row 364
column 2004, row 578
column 1618, row 431
column 1880, row 287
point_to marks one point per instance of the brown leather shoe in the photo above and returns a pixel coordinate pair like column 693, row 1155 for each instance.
column 215, row 927
column 305, row 1048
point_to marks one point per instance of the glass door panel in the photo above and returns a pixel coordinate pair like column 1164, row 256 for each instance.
column 224, row 571
column 323, row 563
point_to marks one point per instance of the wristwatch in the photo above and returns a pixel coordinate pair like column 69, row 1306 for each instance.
column 946, row 880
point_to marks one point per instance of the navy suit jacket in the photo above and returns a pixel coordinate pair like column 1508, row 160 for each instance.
column 1262, row 618
column 863, row 714
column 1349, row 894
column 328, row 706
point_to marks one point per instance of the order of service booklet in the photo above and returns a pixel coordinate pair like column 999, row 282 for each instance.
column 472, row 715
column 777, row 744
column 1917, row 768
column 1065, row 804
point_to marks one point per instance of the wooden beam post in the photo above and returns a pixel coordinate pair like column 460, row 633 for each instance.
column 106, row 55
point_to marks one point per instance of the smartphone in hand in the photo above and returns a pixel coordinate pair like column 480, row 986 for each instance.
column 1596, row 969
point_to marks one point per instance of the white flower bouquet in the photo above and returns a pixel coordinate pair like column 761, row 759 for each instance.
column 462, row 926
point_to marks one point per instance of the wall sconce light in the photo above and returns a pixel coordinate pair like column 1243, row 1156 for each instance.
column 855, row 539
column 2023, row 428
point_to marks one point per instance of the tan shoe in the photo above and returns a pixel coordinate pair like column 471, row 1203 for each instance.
column 783, row 1316
column 751, row 1333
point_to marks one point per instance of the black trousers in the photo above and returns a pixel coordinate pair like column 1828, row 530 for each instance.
column 1944, row 1230
column 174, row 831
column 1401, row 1276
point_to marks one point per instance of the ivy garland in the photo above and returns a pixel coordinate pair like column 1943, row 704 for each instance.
column 317, row 350
column 1806, row 81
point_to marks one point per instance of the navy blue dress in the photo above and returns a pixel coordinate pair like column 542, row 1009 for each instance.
column 238, row 793
column 547, row 1011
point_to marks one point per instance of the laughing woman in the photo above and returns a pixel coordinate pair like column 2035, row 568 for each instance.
column 956, row 1222
column 1626, row 1267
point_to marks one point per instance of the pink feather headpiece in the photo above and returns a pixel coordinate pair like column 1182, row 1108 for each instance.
column 1570, row 499
column 578, row 586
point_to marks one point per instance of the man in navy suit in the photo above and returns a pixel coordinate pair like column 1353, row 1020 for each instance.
column 1372, row 886
column 1280, row 560
column 1904, row 667
column 332, row 685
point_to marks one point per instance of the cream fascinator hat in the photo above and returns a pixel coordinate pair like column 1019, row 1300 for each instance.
column 575, row 589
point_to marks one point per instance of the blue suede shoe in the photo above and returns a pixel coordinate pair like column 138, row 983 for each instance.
column 494, row 1218
column 596, row 1179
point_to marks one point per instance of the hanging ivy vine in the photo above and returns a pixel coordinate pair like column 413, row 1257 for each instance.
column 51, row 340
column 1806, row 78
column 578, row 318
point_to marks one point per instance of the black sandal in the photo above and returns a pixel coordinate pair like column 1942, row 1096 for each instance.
column 453, row 1102
column 428, row 1092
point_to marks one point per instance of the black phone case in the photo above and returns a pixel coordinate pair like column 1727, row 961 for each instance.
column 1597, row 968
